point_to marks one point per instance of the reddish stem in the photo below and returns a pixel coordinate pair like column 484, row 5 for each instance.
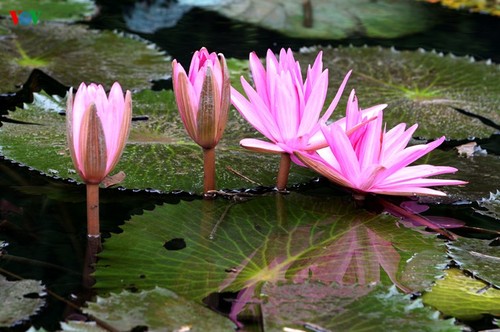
column 283, row 172
column 93, row 210
column 208, row 170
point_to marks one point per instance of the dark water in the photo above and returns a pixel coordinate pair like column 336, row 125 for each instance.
column 44, row 218
column 458, row 32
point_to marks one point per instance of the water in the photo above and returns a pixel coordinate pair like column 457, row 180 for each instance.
column 43, row 217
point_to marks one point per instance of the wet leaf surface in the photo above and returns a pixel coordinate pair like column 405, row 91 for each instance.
column 331, row 20
column 351, row 308
column 479, row 257
column 231, row 246
column 419, row 87
column 158, row 309
column 463, row 297
column 20, row 300
column 73, row 54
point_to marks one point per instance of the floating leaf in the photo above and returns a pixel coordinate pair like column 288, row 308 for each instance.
column 480, row 257
column 480, row 171
column 330, row 19
column 200, row 247
column 445, row 95
column 20, row 300
column 73, row 54
column 463, row 297
column 337, row 308
column 159, row 153
column 68, row 10
column 491, row 206
column 158, row 309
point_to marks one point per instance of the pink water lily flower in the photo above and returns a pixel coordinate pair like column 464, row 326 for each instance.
column 203, row 96
column 285, row 107
column 369, row 159
column 98, row 128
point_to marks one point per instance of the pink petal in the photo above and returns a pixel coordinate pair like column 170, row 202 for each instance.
column 260, row 146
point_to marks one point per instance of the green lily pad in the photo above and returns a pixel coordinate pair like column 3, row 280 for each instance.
column 419, row 87
column 68, row 10
column 463, row 297
column 73, row 54
column 200, row 247
column 480, row 171
column 159, row 309
column 159, row 153
column 331, row 19
column 336, row 308
column 478, row 257
column 20, row 300
column 491, row 206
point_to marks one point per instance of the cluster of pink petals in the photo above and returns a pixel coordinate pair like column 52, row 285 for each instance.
column 97, row 127
column 203, row 96
column 363, row 156
column 283, row 106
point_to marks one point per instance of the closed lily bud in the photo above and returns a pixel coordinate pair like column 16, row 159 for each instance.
column 97, row 129
column 203, row 96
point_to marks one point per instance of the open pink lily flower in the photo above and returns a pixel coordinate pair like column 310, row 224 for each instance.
column 98, row 128
column 203, row 96
column 284, row 107
column 369, row 159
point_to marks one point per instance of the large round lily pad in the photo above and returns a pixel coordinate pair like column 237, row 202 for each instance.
column 444, row 94
column 330, row 19
column 73, row 54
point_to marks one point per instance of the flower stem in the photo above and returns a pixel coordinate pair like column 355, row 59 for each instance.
column 93, row 209
column 208, row 169
column 283, row 172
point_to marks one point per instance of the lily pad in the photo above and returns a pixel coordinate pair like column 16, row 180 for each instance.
column 158, row 309
column 20, row 300
column 68, row 10
column 479, row 257
column 444, row 94
column 329, row 19
column 73, row 54
column 159, row 153
column 490, row 206
column 463, row 297
column 480, row 171
column 320, row 307
column 200, row 247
